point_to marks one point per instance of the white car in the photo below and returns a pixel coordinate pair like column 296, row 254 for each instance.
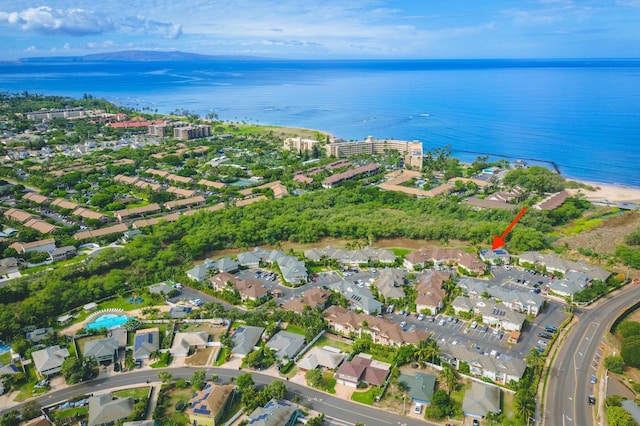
column 418, row 408
column 474, row 324
column 542, row 342
column 403, row 324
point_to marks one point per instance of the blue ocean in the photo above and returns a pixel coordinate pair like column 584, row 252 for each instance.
column 581, row 115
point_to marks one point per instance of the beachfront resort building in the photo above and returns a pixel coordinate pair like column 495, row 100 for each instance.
column 410, row 151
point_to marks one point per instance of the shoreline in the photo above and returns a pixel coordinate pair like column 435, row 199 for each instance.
column 607, row 192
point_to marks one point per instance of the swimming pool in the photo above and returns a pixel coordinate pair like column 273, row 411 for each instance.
column 107, row 321
column 4, row 348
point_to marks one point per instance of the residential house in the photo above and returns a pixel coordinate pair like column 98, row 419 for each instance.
column 248, row 259
column 40, row 226
column 494, row 366
column 325, row 357
column 516, row 300
column 493, row 313
column 103, row 350
column 554, row 264
column 198, row 272
column 482, row 399
column 293, row 270
column 552, row 201
column 226, row 264
column 381, row 330
column 390, row 283
column 183, row 343
column 363, row 368
column 286, row 344
column 105, row 410
column 6, row 370
column 244, row 339
column 495, row 257
column 90, row 214
column 42, row 246
column 439, row 256
column 124, row 214
column 430, row 291
column 207, row 406
column 48, row 361
column 360, row 298
column 314, row 298
column 222, row 281
column 275, row 413
column 420, row 386
column 62, row 253
column 18, row 215
column 351, row 257
column 39, row 334
column 97, row 233
column 146, row 342
column 251, row 290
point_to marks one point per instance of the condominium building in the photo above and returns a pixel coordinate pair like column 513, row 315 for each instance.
column 192, row 132
column 411, row 151
column 299, row 145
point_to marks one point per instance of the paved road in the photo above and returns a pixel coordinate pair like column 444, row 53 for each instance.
column 334, row 407
column 578, row 359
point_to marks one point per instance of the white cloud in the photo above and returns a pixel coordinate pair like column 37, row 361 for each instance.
column 46, row 20
column 82, row 22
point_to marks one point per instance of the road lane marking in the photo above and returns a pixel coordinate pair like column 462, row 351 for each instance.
column 362, row 415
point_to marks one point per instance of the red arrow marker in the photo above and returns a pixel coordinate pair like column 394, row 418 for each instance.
column 499, row 241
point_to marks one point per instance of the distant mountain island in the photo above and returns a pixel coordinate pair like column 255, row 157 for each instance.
column 142, row 56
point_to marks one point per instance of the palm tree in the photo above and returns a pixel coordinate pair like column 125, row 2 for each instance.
column 534, row 359
column 525, row 404
column 449, row 377
column 433, row 350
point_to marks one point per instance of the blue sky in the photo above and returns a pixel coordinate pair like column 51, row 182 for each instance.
column 308, row 29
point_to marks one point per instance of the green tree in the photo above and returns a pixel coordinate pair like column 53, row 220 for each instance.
column 165, row 377
column 198, row 379
column 244, row 381
column 10, row 418
column 629, row 328
column 276, row 389
column 535, row 359
column 524, row 403
column 618, row 416
column 31, row 410
column 630, row 350
column 614, row 364
column 449, row 376
column 314, row 377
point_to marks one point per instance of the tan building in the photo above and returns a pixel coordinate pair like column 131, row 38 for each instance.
column 411, row 151
column 192, row 132
column 18, row 215
column 115, row 229
column 299, row 145
column 138, row 211
column 44, row 246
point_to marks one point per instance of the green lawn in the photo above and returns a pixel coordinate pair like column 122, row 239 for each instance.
column 28, row 389
column 60, row 415
column 295, row 329
column 164, row 361
column 326, row 341
column 176, row 396
column 222, row 356
column 5, row 358
column 136, row 393
column 400, row 251
column 368, row 397
column 329, row 382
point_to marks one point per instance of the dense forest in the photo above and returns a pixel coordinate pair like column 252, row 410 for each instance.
column 348, row 212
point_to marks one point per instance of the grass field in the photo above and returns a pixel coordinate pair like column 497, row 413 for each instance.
column 136, row 393
column 368, row 397
column 328, row 341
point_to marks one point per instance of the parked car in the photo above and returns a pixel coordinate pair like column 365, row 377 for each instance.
column 484, row 329
column 418, row 408
column 594, row 380
column 442, row 322
column 545, row 335
column 403, row 324
column 592, row 400
column 542, row 342
column 420, row 317
column 539, row 349
column 476, row 422
column 550, row 328
column 474, row 325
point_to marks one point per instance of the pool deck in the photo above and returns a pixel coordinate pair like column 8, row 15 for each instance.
column 74, row 328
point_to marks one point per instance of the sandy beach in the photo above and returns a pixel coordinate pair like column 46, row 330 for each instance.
column 607, row 192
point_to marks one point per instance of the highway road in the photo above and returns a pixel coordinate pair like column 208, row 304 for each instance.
column 578, row 358
column 346, row 412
